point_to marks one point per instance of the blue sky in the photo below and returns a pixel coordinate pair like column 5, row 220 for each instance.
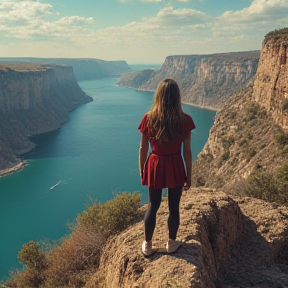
column 138, row 31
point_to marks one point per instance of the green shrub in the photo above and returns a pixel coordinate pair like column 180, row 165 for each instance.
column 200, row 181
column 281, row 138
column 271, row 187
column 262, row 146
column 113, row 216
column 282, row 173
column 227, row 142
column 285, row 105
column 35, row 263
column 262, row 186
column 250, row 136
column 258, row 165
column 252, row 153
column 31, row 255
column 285, row 149
column 81, row 250
column 225, row 156
column 252, row 110
column 243, row 142
column 75, row 256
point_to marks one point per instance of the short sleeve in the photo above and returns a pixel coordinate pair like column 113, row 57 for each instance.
column 143, row 124
column 190, row 123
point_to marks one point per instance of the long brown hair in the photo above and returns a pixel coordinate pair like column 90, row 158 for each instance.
column 165, row 119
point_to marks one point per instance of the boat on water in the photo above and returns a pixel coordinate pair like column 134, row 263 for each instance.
column 58, row 183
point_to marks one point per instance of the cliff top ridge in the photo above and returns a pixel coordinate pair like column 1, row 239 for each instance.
column 277, row 34
column 21, row 67
column 226, row 55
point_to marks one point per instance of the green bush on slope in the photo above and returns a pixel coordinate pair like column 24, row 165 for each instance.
column 271, row 187
column 77, row 255
column 113, row 216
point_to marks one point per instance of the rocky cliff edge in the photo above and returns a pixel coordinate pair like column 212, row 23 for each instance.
column 34, row 99
column 227, row 242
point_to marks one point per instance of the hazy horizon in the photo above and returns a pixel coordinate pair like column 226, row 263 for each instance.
column 137, row 31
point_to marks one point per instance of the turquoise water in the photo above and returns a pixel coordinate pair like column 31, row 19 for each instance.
column 93, row 155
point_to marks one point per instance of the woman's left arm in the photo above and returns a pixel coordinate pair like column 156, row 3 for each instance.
column 143, row 150
column 187, row 154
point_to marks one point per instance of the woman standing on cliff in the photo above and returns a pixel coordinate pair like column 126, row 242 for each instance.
column 165, row 127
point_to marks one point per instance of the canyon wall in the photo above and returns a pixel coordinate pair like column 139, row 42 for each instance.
column 34, row 99
column 248, row 134
column 84, row 69
column 271, row 86
column 205, row 80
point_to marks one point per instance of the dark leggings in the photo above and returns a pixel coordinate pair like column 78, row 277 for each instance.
column 155, row 197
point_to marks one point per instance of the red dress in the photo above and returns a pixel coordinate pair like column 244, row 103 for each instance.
column 164, row 167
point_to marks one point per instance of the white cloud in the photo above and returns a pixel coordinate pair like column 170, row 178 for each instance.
column 16, row 13
column 28, row 19
column 170, row 16
column 171, row 31
column 259, row 10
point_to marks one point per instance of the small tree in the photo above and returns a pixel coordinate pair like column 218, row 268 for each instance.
column 31, row 255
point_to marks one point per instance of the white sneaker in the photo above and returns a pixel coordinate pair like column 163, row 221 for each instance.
column 172, row 246
column 147, row 248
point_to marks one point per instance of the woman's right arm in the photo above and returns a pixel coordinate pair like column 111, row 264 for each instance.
column 143, row 150
column 187, row 154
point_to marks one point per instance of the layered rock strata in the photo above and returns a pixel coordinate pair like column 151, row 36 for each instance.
column 243, row 137
column 271, row 87
column 34, row 99
column 205, row 80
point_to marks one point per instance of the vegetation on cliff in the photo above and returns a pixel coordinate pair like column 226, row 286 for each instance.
column 248, row 144
column 276, row 34
column 72, row 260
column 227, row 242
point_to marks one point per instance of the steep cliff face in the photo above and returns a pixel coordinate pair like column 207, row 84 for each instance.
column 271, row 87
column 33, row 99
column 205, row 80
column 84, row 69
column 245, row 137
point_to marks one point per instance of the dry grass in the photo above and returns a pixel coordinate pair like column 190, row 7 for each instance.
column 21, row 67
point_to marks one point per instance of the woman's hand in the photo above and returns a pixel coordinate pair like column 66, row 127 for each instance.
column 187, row 184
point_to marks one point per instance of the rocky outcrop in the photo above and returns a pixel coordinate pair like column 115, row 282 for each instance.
column 205, row 80
column 227, row 242
column 243, row 137
column 34, row 99
column 84, row 69
column 271, row 87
